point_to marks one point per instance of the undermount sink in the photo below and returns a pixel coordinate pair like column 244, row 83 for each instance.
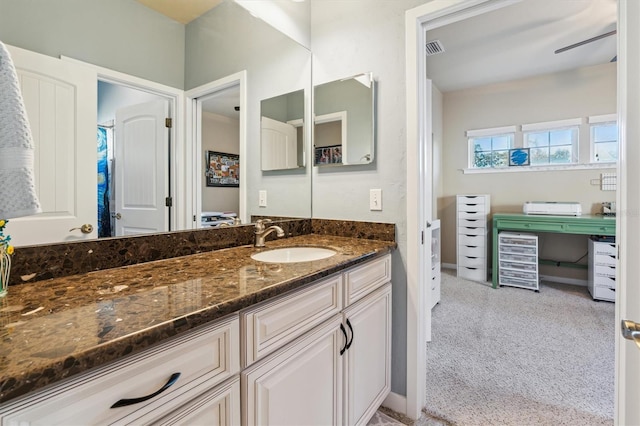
column 293, row 254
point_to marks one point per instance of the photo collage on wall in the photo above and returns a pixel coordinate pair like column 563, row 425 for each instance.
column 222, row 169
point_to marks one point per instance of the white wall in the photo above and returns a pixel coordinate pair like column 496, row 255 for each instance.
column 221, row 134
column 348, row 38
column 121, row 35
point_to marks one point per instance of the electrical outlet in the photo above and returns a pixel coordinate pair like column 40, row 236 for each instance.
column 262, row 198
column 375, row 199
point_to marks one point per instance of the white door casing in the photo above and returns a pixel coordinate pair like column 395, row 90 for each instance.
column 141, row 168
column 278, row 145
column 627, row 411
column 61, row 103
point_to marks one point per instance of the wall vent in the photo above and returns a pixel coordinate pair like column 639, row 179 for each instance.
column 434, row 47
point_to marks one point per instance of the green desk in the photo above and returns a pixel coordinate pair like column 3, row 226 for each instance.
column 585, row 225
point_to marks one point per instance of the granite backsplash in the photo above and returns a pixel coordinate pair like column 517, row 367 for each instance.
column 41, row 262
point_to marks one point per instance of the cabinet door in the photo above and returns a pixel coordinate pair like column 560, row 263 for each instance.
column 300, row 384
column 368, row 357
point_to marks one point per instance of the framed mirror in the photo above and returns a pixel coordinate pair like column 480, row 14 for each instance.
column 344, row 121
column 282, row 132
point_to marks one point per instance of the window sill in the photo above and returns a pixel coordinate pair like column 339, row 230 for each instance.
column 549, row 168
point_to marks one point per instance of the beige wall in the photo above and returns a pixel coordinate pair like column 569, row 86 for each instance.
column 570, row 94
column 220, row 134
column 436, row 163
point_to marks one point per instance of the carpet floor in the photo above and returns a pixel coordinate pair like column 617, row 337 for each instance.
column 511, row 356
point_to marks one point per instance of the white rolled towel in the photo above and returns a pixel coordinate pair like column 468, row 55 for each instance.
column 18, row 195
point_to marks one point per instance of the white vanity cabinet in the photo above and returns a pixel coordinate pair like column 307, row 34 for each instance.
column 337, row 372
column 206, row 359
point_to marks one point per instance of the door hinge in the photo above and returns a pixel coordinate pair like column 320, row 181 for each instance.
column 168, row 201
column 194, row 217
column 168, row 122
column 422, row 237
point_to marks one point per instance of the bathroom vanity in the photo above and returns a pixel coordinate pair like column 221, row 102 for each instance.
column 216, row 336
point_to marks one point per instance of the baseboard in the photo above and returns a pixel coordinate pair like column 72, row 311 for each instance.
column 563, row 280
column 396, row 402
column 449, row 266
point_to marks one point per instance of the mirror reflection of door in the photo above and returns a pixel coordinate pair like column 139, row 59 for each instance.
column 135, row 169
column 219, row 128
column 142, row 169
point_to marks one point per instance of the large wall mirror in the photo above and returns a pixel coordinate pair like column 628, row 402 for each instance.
column 282, row 132
column 344, row 121
column 225, row 40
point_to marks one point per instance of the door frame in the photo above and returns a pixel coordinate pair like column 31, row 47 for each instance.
column 417, row 22
column 193, row 116
column 179, row 185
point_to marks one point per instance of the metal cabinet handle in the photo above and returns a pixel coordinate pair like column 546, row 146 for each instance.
column 346, row 339
column 124, row 402
column 631, row 331
column 87, row 228
column 350, row 328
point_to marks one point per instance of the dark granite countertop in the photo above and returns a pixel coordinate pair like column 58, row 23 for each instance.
column 53, row 329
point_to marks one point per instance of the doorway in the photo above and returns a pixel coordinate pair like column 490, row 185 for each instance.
column 219, row 105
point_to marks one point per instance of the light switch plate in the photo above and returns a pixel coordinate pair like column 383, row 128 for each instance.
column 262, row 198
column 375, row 199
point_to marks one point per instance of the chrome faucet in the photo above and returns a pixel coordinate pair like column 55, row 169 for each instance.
column 262, row 231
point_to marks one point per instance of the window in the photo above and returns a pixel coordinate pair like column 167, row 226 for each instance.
column 490, row 147
column 604, row 138
column 552, row 142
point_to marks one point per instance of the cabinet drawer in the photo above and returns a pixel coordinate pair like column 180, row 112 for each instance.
column 468, row 230
column 270, row 326
column 472, row 214
column 360, row 281
column 517, row 275
column 472, row 223
column 604, row 260
column 473, row 251
column 515, row 282
column 209, row 353
column 600, row 281
column 604, row 293
column 471, row 240
column 514, row 257
column 473, row 274
column 472, row 207
column 472, row 262
column 604, row 271
column 531, row 267
column 470, row 199
column 607, row 249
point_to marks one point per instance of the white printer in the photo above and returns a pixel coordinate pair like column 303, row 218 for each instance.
column 558, row 208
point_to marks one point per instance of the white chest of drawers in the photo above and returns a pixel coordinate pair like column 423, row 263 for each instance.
column 472, row 226
column 602, row 270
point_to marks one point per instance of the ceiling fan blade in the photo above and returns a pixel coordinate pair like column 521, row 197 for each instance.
column 583, row 42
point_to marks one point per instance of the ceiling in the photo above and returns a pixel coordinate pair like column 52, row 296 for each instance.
column 183, row 11
column 519, row 41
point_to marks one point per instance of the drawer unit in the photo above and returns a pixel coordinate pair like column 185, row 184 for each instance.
column 472, row 227
column 518, row 260
column 602, row 269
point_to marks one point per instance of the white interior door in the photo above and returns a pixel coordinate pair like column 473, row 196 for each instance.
column 278, row 145
column 142, row 168
column 61, row 103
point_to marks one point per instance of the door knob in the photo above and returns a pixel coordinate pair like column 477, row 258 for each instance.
column 631, row 331
column 117, row 216
column 87, row 228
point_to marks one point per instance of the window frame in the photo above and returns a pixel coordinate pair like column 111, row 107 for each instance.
column 601, row 120
column 494, row 132
column 553, row 126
